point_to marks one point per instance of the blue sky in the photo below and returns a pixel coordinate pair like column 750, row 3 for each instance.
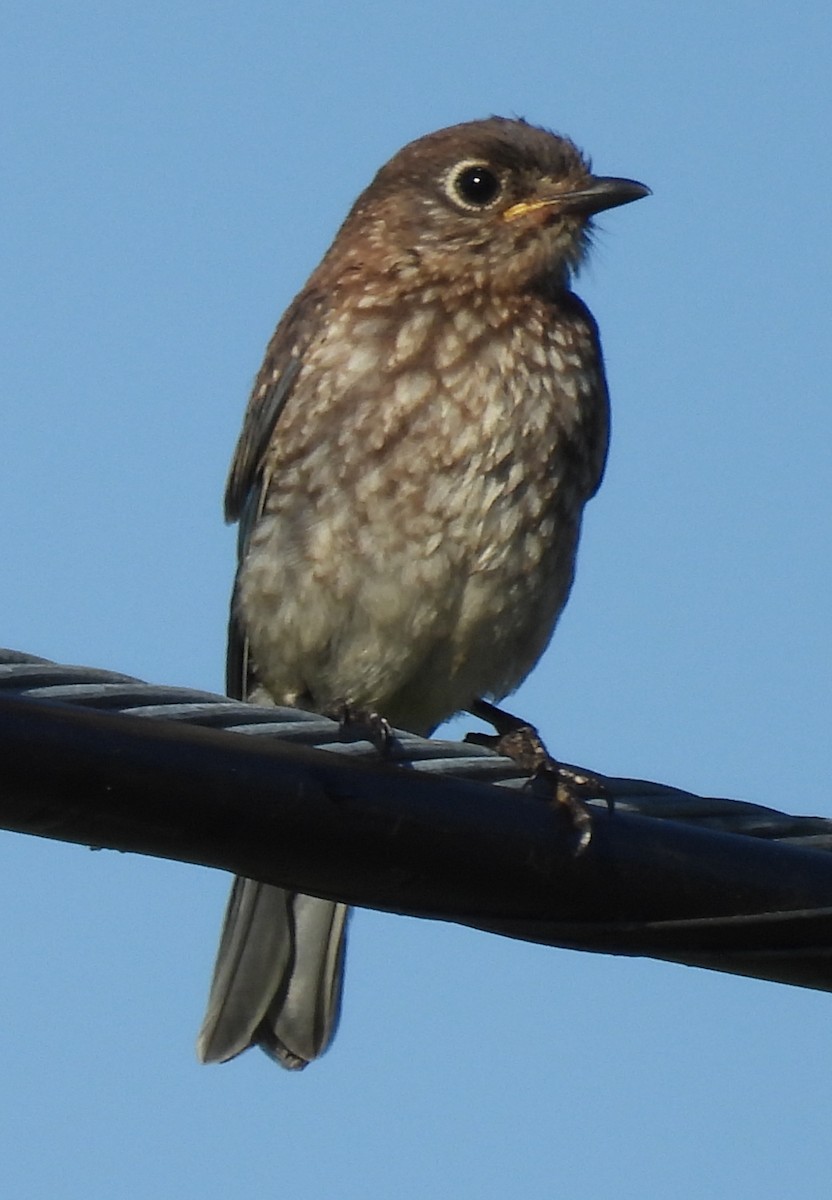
column 171, row 175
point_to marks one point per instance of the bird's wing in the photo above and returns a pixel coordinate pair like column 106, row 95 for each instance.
column 272, row 388
column 596, row 431
column 246, row 487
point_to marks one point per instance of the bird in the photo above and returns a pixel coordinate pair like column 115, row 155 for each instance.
column 429, row 420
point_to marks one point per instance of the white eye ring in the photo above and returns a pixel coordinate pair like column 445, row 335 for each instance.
column 473, row 185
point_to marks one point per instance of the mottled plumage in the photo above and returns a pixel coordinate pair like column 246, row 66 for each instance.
column 428, row 423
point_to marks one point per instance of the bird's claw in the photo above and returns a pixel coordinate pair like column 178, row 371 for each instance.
column 359, row 725
column 566, row 788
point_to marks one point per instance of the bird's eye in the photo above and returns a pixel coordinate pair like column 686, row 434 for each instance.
column 473, row 186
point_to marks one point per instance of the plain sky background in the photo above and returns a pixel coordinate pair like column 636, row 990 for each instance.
column 171, row 173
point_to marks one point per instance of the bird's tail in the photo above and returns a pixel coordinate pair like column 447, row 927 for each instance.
column 278, row 975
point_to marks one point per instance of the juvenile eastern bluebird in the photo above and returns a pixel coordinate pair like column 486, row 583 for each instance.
column 430, row 418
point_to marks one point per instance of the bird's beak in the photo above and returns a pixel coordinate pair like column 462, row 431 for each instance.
column 601, row 192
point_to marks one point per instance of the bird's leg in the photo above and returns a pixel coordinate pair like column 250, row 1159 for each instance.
column 520, row 741
column 360, row 725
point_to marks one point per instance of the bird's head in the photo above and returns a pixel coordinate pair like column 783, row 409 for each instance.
column 498, row 205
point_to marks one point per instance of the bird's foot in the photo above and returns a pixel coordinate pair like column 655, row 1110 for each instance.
column 567, row 788
column 363, row 725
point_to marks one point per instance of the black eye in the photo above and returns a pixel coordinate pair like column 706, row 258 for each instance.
column 473, row 185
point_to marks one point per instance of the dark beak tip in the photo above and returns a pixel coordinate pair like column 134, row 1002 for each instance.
column 608, row 191
column 623, row 191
